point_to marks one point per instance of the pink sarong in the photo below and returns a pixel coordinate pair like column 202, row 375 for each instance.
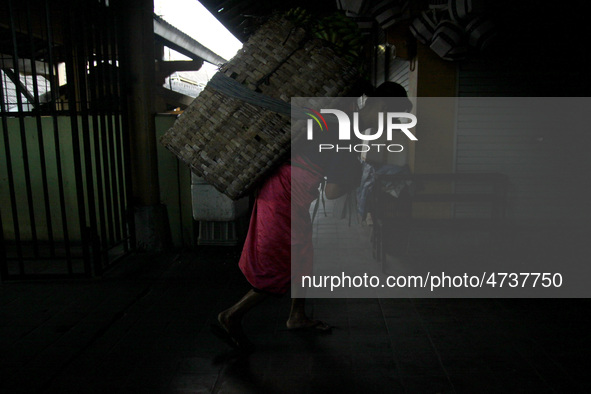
column 282, row 205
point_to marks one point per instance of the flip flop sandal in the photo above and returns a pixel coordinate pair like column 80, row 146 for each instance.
column 318, row 326
column 223, row 335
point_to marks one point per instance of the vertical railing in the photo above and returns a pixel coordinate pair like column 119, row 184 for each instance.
column 75, row 90
column 54, row 96
column 66, row 186
column 11, row 190
column 23, row 136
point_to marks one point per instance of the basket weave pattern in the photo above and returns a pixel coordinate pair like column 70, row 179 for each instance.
column 232, row 144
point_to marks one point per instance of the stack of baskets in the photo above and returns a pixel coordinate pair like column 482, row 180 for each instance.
column 234, row 144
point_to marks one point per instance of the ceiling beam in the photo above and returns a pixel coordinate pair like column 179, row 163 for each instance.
column 182, row 43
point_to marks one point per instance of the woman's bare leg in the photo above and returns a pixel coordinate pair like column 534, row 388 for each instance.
column 298, row 318
column 231, row 318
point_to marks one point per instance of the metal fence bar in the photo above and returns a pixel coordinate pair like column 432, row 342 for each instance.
column 3, row 254
column 105, row 137
column 11, row 191
column 97, row 131
column 119, row 132
column 124, row 137
column 54, row 88
column 23, row 135
column 80, row 28
column 42, row 159
column 109, row 115
column 72, row 104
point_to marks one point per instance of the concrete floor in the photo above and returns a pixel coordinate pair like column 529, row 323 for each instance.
column 145, row 328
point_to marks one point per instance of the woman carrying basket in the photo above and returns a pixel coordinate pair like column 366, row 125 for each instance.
column 281, row 231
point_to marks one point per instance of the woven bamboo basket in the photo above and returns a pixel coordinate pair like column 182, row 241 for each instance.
column 234, row 144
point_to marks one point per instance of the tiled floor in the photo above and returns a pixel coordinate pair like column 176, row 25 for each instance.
column 145, row 328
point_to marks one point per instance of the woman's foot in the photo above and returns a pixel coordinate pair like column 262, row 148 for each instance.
column 298, row 320
column 231, row 331
column 229, row 327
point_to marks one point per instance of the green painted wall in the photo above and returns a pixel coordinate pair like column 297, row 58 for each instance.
column 175, row 188
column 64, row 132
column 175, row 180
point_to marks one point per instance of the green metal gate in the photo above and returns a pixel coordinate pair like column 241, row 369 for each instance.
column 64, row 173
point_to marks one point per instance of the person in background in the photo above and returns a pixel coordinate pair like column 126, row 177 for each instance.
column 388, row 97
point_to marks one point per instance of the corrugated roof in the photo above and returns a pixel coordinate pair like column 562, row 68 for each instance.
column 242, row 17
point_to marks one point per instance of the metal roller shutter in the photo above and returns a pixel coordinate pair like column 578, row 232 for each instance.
column 543, row 166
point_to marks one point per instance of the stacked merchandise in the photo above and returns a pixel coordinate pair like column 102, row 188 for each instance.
column 238, row 128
